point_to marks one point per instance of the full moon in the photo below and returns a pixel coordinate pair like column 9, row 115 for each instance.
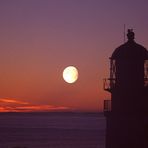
column 70, row 74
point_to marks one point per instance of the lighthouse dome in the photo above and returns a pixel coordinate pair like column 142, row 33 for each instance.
column 130, row 50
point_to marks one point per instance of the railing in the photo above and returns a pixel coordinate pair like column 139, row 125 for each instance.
column 108, row 84
column 145, row 82
column 107, row 105
column 146, row 73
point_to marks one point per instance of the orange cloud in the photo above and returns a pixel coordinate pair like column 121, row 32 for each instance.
column 7, row 109
column 41, row 108
column 8, row 100
column 14, row 105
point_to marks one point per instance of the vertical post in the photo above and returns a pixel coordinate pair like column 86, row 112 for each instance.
column 124, row 34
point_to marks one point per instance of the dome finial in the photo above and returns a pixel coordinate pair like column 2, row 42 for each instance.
column 130, row 35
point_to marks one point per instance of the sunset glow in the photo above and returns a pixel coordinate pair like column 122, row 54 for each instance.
column 39, row 38
column 14, row 105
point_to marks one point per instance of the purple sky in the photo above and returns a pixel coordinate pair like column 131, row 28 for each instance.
column 39, row 38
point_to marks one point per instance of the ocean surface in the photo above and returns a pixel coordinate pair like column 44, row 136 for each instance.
column 52, row 130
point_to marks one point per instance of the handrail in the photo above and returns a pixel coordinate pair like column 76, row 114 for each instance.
column 108, row 84
column 107, row 105
column 145, row 81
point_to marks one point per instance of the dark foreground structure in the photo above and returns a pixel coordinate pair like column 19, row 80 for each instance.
column 127, row 111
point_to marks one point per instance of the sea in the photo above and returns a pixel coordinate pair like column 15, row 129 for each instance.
column 52, row 130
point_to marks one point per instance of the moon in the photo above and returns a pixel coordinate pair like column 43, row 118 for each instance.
column 70, row 74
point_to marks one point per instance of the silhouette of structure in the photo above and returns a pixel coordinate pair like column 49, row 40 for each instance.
column 127, row 111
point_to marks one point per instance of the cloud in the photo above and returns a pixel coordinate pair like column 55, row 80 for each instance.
column 41, row 108
column 15, row 105
column 8, row 100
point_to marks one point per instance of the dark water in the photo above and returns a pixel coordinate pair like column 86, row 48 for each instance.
column 52, row 130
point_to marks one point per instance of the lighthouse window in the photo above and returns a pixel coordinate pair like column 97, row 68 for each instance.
column 112, row 69
column 146, row 73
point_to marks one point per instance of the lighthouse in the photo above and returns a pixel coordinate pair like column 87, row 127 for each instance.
column 127, row 111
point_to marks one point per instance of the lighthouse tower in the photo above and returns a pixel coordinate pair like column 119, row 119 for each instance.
column 127, row 111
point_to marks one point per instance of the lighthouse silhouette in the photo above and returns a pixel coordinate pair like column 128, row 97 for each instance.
column 127, row 111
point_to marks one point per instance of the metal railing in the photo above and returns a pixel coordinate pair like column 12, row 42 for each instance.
column 145, row 82
column 108, row 84
column 107, row 105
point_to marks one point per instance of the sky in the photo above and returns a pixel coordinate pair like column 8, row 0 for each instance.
column 39, row 38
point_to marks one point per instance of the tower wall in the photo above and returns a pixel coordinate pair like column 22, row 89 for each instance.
column 129, row 74
column 127, row 122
